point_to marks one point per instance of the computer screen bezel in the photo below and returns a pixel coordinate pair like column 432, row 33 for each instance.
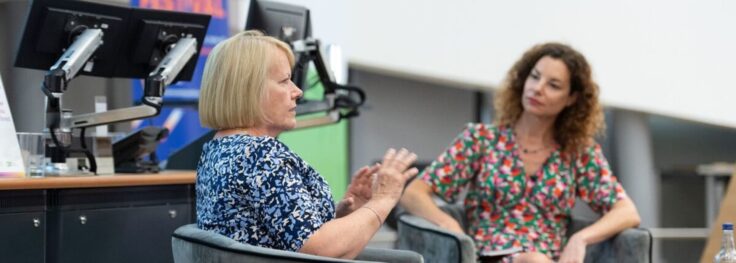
column 104, row 58
column 142, row 20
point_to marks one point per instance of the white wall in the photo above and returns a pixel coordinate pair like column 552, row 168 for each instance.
column 666, row 57
column 422, row 117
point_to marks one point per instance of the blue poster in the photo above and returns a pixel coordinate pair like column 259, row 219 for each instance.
column 179, row 113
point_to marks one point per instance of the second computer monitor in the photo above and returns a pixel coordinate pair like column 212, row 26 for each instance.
column 286, row 22
column 153, row 34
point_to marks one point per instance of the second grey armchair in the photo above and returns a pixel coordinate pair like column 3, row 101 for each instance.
column 439, row 245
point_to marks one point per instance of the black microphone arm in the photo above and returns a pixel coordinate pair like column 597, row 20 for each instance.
column 337, row 103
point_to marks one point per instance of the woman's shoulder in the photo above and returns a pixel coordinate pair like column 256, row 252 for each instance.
column 591, row 147
column 591, row 150
column 259, row 145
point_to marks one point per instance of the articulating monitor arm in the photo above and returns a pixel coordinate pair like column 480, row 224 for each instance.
column 338, row 102
column 56, row 82
column 155, row 86
column 64, row 70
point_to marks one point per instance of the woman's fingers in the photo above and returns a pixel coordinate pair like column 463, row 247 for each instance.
column 365, row 175
column 393, row 173
column 389, row 156
column 411, row 173
column 409, row 160
column 373, row 169
column 359, row 173
column 401, row 154
column 362, row 172
column 399, row 160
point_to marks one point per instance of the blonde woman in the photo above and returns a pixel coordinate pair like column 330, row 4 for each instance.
column 524, row 172
column 251, row 187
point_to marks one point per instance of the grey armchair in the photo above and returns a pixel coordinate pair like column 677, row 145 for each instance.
column 192, row 245
column 439, row 245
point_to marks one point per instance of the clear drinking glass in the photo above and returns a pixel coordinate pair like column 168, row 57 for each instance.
column 33, row 150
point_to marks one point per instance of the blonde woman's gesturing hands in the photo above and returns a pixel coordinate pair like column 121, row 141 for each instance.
column 393, row 173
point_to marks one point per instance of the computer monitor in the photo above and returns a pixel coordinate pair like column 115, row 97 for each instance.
column 286, row 22
column 68, row 38
column 53, row 25
column 291, row 24
column 153, row 32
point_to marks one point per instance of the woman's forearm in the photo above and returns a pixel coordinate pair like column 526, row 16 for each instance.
column 346, row 237
column 417, row 200
column 623, row 215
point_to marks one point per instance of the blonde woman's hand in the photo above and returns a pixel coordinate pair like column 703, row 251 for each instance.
column 392, row 175
column 359, row 191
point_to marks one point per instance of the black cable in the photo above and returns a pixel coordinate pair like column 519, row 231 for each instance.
column 52, row 131
column 87, row 152
column 347, row 102
column 55, row 123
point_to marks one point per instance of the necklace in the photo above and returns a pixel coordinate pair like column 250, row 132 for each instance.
column 525, row 150
column 532, row 151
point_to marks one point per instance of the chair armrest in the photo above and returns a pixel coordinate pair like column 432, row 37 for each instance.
column 389, row 255
column 193, row 245
column 631, row 245
column 434, row 243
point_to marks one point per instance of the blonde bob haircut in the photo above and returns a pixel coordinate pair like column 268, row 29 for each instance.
column 234, row 80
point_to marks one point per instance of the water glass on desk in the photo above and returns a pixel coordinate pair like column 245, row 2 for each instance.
column 33, row 150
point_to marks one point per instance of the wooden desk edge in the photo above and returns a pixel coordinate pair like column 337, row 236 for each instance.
column 118, row 180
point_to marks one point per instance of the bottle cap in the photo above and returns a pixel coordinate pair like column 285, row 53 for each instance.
column 727, row 226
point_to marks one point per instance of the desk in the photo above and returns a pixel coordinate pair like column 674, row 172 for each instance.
column 120, row 218
column 163, row 178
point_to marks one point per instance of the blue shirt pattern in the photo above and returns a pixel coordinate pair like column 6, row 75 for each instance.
column 256, row 191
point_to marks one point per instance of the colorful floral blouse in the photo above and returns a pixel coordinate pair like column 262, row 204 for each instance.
column 506, row 207
column 256, row 191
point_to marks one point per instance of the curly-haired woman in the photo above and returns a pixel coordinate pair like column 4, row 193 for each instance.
column 524, row 173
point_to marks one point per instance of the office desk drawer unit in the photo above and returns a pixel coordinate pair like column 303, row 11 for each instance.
column 22, row 226
column 120, row 223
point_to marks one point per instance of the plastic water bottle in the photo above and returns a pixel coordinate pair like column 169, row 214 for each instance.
column 728, row 251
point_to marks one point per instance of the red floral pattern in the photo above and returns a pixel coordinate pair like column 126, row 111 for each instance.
column 508, row 208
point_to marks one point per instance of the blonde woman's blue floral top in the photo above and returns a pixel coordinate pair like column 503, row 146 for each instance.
column 506, row 207
column 256, row 191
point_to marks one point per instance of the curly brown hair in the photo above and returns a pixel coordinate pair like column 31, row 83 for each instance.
column 577, row 125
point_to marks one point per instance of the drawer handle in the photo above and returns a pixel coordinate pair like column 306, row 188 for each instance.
column 172, row 213
column 83, row 219
column 36, row 222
